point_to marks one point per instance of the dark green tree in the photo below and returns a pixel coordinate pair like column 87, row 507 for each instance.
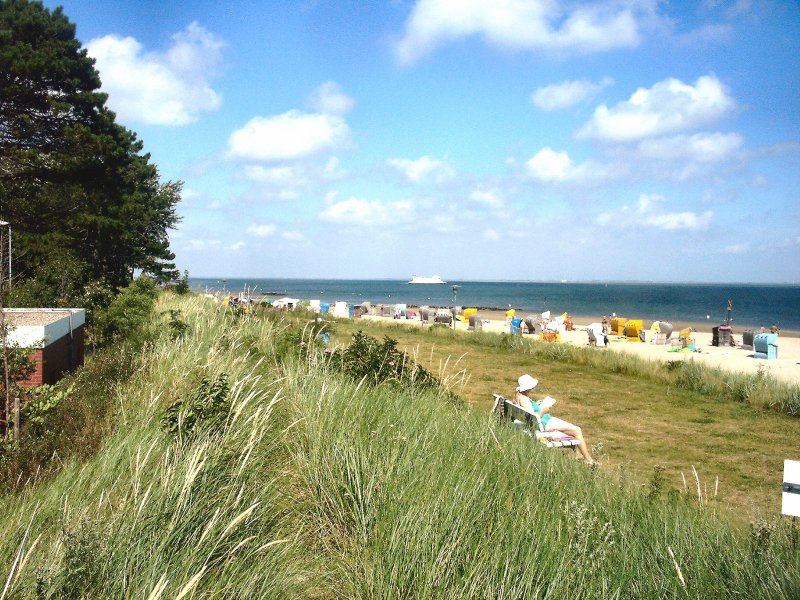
column 73, row 182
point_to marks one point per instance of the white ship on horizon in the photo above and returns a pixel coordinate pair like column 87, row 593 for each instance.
column 428, row 280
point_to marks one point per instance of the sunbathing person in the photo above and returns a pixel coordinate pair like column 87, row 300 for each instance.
column 525, row 384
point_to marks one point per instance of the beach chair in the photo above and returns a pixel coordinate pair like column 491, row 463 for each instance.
column 550, row 336
column 475, row 324
column 633, row 330
column 765, row 346
column 426, row 315
column 618, row 326
column 662, row 331
column 530, row 324
column 443, row 316
column 685, row 337
column 530, row 424
column 747, row 339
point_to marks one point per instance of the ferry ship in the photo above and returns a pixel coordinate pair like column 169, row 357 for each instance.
column 428, row 280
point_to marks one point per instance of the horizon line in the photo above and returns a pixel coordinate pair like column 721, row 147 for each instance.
column 557, row 281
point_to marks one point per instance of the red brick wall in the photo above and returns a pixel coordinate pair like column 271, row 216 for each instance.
column 36, row 378
column 53, row 361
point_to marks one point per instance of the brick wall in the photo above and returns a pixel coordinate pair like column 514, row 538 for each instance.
column 53, row 361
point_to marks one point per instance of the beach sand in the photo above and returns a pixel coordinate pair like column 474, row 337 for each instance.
column 786, row 367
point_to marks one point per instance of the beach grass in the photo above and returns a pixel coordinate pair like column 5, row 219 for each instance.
column 312, row 484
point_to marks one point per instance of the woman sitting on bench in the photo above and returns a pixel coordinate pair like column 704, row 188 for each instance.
column 550, row 423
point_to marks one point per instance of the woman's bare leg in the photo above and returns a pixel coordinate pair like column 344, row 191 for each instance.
column 556, row 424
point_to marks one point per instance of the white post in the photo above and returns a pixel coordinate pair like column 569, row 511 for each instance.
column 791, row 488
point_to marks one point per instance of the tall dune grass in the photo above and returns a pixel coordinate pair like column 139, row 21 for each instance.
column 318, row 486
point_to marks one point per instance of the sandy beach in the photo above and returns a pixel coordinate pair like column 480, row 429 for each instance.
column 786, row 367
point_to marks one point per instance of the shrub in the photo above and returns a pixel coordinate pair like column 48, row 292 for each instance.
column 206, row 409
column 182, row 287
column 43, row 401
column 302, row 337
column 127, row 313
column 379, row 362
column 177, row 327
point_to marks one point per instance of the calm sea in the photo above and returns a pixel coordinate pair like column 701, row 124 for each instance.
column 753, row 305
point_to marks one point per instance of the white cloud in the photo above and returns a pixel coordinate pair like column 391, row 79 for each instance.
column 197, row 244
column 288, row 181
column 170, row 88
column 604, row 219
column 647, row 202
column 332, row 170
column 486, row 198
column 681, row 220
column 289, row 136
column 567, row 93
column 519, row 24
column 700, row 147
column 279, row 176
column 293, row 236
column 648, row 214
column 261, row 230
column 238, row 246
column 490, row 234
column 329, row 99
column 743, row 248
column 549, row 166
column 358, row 211
column 444, row 223
column 419, row 170
column 669, row 106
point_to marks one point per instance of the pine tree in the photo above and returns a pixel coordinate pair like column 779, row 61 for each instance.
column 73, row 182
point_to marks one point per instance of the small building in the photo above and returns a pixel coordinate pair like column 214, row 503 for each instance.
column 55, row 336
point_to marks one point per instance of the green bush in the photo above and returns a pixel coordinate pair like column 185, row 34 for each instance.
column 127, row 313
column 42, row 401
column 182, row 287
column 365, row 358
column 206, row 409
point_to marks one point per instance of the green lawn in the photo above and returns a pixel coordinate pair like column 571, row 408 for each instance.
column 633, row 423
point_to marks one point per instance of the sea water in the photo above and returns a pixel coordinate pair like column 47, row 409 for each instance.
column 753, row 305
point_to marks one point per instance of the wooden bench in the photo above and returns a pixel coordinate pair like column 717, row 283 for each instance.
column 506, row 410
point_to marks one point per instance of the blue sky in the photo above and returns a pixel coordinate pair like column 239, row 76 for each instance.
column 502, row 139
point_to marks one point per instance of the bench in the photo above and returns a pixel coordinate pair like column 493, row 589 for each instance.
column 508, row 411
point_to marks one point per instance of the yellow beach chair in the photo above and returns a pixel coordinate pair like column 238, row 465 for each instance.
column 618, row 325
column 633, row 330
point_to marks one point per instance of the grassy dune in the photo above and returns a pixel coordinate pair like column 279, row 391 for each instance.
column 286, row 478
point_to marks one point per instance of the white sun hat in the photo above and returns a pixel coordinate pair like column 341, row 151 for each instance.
column 526, row 382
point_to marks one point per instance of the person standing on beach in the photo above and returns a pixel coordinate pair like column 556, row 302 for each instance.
column 525, row 384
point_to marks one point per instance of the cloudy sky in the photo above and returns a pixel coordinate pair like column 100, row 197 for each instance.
column 475, row 139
